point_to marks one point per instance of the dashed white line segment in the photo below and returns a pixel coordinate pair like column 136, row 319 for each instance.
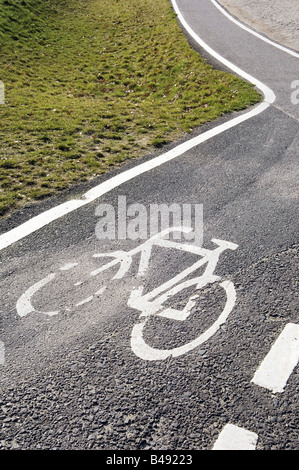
column 278, row 365
column 235, row 438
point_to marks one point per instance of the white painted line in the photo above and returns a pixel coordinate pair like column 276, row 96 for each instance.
column 2, row 353
column 38, row 222
column 90, row 298
column 68, row 266
column 100, row 291
column 254, row 33
column 268, row 93
column 235, row 438
column 85, row 301
column 49, row 216
column 147, row 353
column 280, row 362
column 24, row 305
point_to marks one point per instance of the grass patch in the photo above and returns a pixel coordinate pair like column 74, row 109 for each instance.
column 91, row 83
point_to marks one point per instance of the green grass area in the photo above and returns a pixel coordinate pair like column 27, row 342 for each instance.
column 91, row 83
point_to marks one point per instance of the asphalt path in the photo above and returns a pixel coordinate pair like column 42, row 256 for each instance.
column 75, row 380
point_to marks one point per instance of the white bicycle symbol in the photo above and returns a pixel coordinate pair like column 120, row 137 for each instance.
column 153, row 303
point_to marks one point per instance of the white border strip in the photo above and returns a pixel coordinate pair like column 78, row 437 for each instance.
column 253, row 32
column 55, row 213
column 267, row 92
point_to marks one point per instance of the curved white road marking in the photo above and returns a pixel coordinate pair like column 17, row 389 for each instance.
column 55, row 213
column 253, row 32
column 147, row 353
column 24, row 305
column 267, row 92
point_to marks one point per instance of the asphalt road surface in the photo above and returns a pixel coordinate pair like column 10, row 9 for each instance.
column 158, row 350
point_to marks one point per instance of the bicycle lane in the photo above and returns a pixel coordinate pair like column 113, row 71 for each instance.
column 239, row 206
